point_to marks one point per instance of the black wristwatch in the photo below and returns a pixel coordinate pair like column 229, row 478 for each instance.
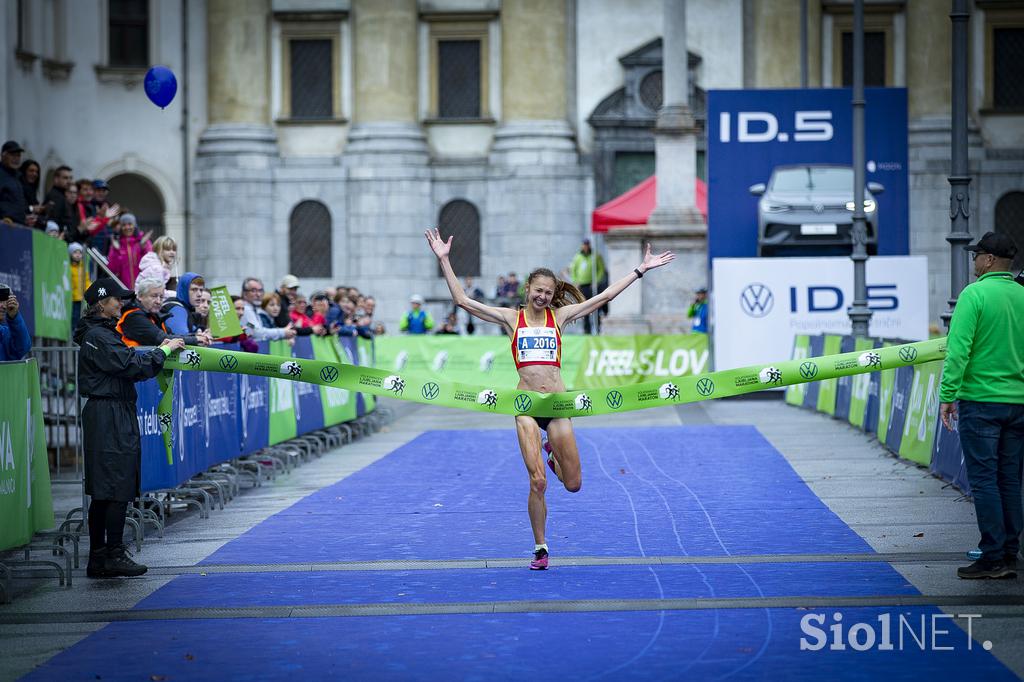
column 639, row 275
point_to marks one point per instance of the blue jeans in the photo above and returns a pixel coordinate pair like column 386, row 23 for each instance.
column 992, row 437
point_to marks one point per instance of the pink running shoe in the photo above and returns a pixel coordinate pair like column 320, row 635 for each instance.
column 540, row 560
column 546, row 447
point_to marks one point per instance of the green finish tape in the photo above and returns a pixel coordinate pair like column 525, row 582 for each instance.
column 581, row 403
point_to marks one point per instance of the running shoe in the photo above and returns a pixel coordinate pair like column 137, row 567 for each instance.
column 540, row 560
column 545, row 446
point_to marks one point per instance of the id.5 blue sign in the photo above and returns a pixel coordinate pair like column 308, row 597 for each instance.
column 795, row 149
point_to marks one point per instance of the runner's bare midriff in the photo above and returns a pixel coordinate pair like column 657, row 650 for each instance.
column 541, row 378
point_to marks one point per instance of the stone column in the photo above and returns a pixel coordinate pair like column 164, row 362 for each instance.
column 238, row 149
column 389, row 180
column 385, row 128
column 534, row 129
column 657, row 305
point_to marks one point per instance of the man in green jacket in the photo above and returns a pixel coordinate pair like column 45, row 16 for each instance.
column 984, row 373
column 587, row 272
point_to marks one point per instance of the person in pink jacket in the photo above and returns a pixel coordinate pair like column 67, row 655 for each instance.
column 127, row 250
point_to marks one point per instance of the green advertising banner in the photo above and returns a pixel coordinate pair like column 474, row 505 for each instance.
column 827, row 392
column 801, row 349
column 51, row 275
column 339, row 404
column 25, row 502
column 922, row 413
column 587, row 361
column 435, row 390
column 608, row 361
column 223, row 320
column 282, row 396
column 366, row 359
column 860, row 387
column 887, row 382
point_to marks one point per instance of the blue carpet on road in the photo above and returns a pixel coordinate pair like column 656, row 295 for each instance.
column 699, row 491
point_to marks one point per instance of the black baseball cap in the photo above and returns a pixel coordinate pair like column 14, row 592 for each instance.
column 995, row 243
column 12, row 147
column 105, row 287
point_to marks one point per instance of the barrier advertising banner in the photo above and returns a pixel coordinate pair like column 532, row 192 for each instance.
column 774, row 299
column 796, row 393
column 860, row 388
column 922, row 412
column 16, row 268
column 25, row 502
column 784, row 139
column 51, row 276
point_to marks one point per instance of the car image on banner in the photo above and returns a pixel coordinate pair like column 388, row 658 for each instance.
column 808, row 209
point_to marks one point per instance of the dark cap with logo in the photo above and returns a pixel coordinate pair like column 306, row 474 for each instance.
column 105, row 287
column 12, row 147
column 995, row 243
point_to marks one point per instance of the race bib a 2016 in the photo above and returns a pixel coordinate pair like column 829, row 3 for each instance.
column 537, row 344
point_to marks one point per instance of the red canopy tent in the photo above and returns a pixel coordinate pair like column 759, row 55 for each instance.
column 633, row 207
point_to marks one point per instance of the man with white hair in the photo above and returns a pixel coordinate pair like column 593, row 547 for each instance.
column 252, row 294
column 142, row 324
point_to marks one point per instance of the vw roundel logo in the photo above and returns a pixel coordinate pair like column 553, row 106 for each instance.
column 329, row 374
column 430, row 390
column 613, row 399
column 808, row 370
column 756, row 300
column 228, row 362
column 908, row 354
column 819, row 208
column 523, row 402
column 705, row 387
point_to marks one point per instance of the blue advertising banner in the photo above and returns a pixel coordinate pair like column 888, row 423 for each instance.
column 16, row 269
column 753, row 133
column 844, row 385
column 221, row 416
column 948, row 458
column 871, row 409
column 156, row 472
column 816, row 347
column 309, row 412
column 898, row 409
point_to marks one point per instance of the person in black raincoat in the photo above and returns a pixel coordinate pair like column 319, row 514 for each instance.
column 107, row 372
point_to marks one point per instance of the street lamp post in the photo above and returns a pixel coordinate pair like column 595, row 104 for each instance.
column 959, row 180
column 859, row 312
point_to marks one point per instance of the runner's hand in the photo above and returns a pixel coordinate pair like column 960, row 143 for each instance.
column 651, row 262
column 440, row 247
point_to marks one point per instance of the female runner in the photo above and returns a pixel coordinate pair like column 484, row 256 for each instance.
column 535, row 331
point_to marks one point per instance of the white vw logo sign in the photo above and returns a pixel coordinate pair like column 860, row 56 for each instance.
column 756, row 300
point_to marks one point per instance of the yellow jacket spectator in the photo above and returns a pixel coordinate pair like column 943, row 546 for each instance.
column 79, row 280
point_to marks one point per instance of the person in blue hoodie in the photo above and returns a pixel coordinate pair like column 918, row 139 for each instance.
column 181, row 310
column 15, row 341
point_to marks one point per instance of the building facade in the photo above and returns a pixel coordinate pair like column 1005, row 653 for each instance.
column 322, row 137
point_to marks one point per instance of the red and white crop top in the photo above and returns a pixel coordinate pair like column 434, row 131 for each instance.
column 537, row 345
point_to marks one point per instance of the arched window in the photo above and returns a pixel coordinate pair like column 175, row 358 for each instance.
column 139, row 196
column 1010, row 220
column 461, row 219
column 309, row 240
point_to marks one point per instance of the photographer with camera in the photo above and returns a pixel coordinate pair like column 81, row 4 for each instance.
column 15, row 341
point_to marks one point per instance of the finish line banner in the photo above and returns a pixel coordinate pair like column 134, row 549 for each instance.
column 504, row 400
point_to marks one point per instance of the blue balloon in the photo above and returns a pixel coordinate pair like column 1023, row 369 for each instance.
column 161, row 85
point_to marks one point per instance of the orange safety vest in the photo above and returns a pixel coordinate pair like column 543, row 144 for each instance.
column 131, row 343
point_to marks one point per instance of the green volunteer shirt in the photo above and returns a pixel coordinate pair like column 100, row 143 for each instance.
column 985, row 347
column 581, row 272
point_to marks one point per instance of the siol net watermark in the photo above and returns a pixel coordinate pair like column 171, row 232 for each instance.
column 887, row 632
